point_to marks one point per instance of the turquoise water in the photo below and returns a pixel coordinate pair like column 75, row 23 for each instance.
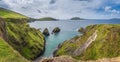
column 68, row 30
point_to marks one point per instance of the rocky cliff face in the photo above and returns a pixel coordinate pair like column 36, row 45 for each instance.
column 105, row 43
column 70, row 59
column 2, row 28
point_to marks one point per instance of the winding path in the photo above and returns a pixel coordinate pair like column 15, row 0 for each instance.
column 80, row 49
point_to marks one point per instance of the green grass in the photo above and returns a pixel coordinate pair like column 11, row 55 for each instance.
column 107, row 43
column 8, row 54
column 10, row 14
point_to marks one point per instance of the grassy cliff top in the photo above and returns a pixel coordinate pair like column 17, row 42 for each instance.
column 106, row 44
column 8, row 54
column 4, row 13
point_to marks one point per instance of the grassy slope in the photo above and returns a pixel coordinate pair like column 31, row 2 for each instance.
column 10, row 14
column 29, row 42
column 7, row 54
column 107, row 43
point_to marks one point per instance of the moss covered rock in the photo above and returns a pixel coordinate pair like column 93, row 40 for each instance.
column 46, row 32
column 106, row 44
column 56, row 30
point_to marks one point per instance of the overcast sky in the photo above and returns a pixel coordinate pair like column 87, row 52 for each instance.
column 64, row 9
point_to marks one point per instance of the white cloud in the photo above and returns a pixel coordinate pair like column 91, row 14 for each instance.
column 111, row 10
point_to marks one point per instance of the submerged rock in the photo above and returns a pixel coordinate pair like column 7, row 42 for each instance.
column 46, row 32
column 56, row 30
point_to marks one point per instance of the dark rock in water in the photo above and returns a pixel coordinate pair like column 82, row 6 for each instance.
column 56, row 30
column 82, row 30
column 46, row 32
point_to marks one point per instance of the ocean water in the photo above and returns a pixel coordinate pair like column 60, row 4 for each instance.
column 68, row 30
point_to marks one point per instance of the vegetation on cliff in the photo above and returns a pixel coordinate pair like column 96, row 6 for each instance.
column 8, row 54
column 29, row 42
column 107, row 43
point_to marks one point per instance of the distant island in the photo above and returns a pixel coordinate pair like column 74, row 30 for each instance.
column 76, row 18
column 47, row 19
column 115, row 19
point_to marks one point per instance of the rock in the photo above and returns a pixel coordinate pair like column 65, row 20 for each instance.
column 82, row 30
column 46, row 32
column 56, row 30
column 59, row 59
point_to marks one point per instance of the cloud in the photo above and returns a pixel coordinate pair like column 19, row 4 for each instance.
column 111, row 10
column 62, row 9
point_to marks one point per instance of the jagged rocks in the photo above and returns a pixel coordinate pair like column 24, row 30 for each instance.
column 59, row 59
column 46, row 32
column 56, row 30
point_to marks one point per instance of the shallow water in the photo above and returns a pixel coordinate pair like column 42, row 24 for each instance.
column 68, row 30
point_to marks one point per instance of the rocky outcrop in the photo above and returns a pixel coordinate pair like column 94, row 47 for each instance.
column 59, row 59
column 56, row 30
column 46, row 32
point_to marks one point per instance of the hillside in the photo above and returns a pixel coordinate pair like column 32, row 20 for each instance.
column 10, row 14
column 98, row 41
column 29, row 42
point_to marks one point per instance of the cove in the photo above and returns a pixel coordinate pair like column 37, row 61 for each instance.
column 68, row 30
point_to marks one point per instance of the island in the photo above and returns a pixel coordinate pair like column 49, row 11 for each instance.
column 47, row 19
column 76, row 18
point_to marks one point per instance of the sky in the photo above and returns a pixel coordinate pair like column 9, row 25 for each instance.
column 65, row 9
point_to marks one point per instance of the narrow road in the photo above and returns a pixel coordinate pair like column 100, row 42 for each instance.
column 80, row 49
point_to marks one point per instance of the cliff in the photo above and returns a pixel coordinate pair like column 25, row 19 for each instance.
column 93, row 45
column 15, row 31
